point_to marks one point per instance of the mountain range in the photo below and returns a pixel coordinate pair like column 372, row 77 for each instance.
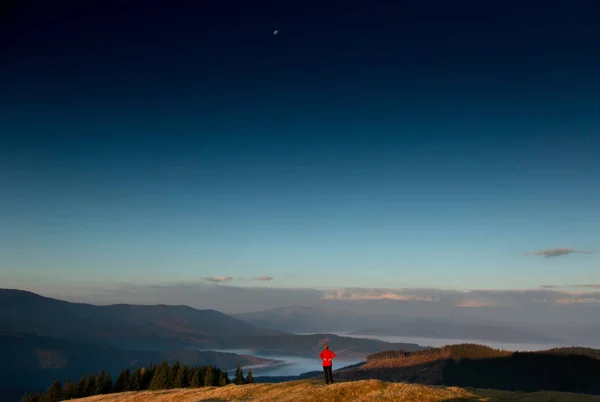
column 122, row 325
column 43, row 339
column 161, row 327
column 317, row 318
column 33, row 362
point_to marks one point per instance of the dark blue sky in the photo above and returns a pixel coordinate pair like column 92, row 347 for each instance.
column 382, row 143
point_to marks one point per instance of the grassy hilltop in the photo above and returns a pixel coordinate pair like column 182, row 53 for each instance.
column 482, row 367
column 314, row 391
column 464, row 372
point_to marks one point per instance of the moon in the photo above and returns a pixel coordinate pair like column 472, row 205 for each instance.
column 275, row 32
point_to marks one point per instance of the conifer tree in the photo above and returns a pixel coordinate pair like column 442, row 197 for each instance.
column 100, row 383
column 182, row 377
column 187, row 376
column 82, row 386
column 127, row 381
column 249, row 377
column 162, row 377
column 54, row 393
column 122, row 382
column 147, row 374
column 136, row 380
column 71, row 389
column 108, row 385
column 174, row 372
column 190, row 371
column 209, row 376
column 227, row 381
column 239, row 376
column 222, row 379
column 35, row 397
column 90, row 386
column 197, row 378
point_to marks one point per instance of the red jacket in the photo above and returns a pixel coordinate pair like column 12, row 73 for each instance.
column 327, row 355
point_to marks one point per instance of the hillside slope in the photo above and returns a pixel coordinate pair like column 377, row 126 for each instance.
column 367, row 390
column 469, row 365
column 308, row 345
column 139, row 327
column 161, row 327
column 33, row 362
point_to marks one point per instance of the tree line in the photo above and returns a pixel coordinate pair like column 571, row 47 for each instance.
column 159, row 377
column 475, row 351
column 455, row 352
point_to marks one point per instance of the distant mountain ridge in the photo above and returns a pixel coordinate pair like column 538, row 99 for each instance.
column 316, row 318
column 162, row 327
column 128, row 326
column 300, row 318
column 48, row 339
column 33, row 362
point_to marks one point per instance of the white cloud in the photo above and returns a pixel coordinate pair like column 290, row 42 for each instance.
column 218, row 279
column 375, row 294
column 476, row 303
column 557, row 252
column 263, row 278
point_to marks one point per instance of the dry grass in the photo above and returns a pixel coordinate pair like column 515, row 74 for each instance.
column 356, row 391
column 409, row 361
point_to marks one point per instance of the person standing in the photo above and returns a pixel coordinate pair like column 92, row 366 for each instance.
column 327, row 355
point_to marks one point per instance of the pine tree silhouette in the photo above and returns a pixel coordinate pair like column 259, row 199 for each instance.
column 162, row 377
column 82, row 386
column 35, row 397
column 174, row 373
column 100, row 383
column 108, row 385
column 54, row 393
column 239, row 376
column 222, row 379
column 147, row 375
column 71, row 389
column 90, row 386
column 122, row 383
column 182, row 377
column 209, row 376
column 197, row 378
column 136, row 380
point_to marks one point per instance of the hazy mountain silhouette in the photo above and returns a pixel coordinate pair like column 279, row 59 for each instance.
column 129, row 326
column 44, row 339
column 33, row 362
column 318, row 319
column 161, row 327
column 299, row 318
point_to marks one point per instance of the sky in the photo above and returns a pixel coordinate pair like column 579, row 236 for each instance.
column 384, row 145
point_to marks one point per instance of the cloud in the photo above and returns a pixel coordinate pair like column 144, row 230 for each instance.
column 263, row 278
column 557, row 252
column 476, row 303
column 218, row 279
column 582, row 299
column 586, row 285
column 378, row 294
column 446, row 298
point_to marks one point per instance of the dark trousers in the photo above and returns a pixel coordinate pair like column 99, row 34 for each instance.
column 328, row 374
